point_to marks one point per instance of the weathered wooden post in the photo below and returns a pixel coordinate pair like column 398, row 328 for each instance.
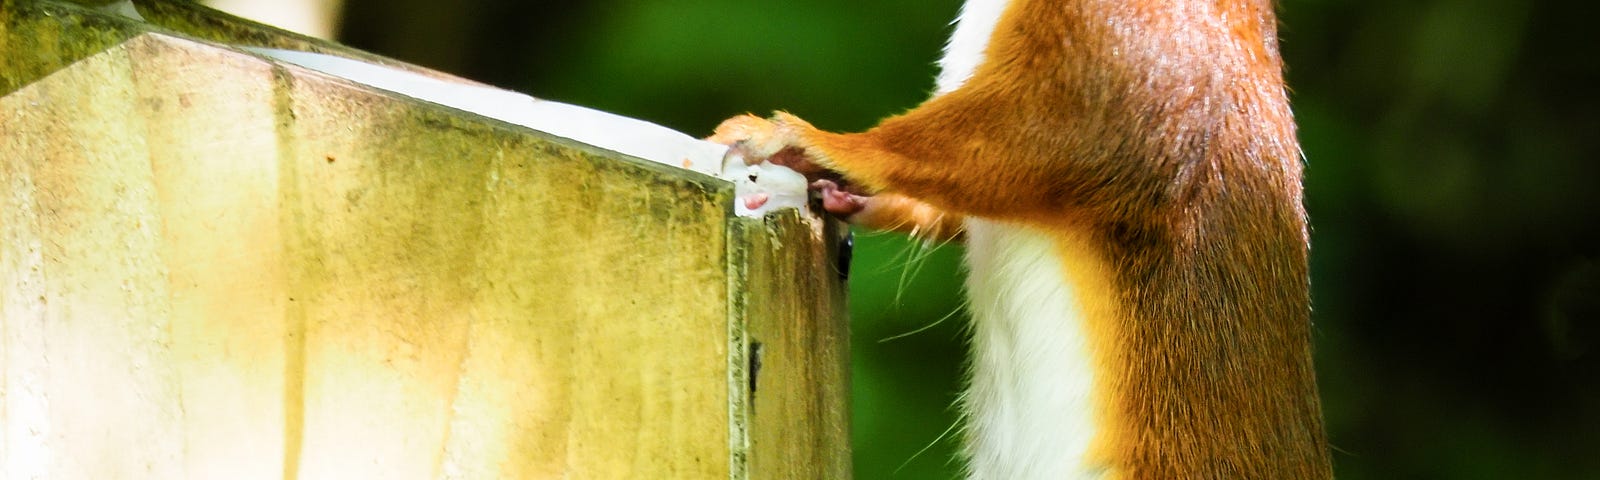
column 217, row 265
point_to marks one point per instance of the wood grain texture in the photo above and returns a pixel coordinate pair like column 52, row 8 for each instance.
column 793, row 320
column 214, row 265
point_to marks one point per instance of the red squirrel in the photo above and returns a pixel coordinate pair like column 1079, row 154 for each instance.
column 1127, row 181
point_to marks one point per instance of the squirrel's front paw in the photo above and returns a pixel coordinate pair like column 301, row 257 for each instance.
column 778, row 140
column 781, row 141
column 754, row 138
column 839, row 202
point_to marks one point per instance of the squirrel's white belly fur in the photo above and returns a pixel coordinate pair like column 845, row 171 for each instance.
column 1030, row 414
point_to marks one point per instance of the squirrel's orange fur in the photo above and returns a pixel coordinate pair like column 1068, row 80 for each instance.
column 1153, row 138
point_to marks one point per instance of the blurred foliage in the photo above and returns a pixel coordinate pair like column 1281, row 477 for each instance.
column 1452, row 152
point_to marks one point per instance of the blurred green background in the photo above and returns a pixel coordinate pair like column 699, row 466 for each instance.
column 1452, row 149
